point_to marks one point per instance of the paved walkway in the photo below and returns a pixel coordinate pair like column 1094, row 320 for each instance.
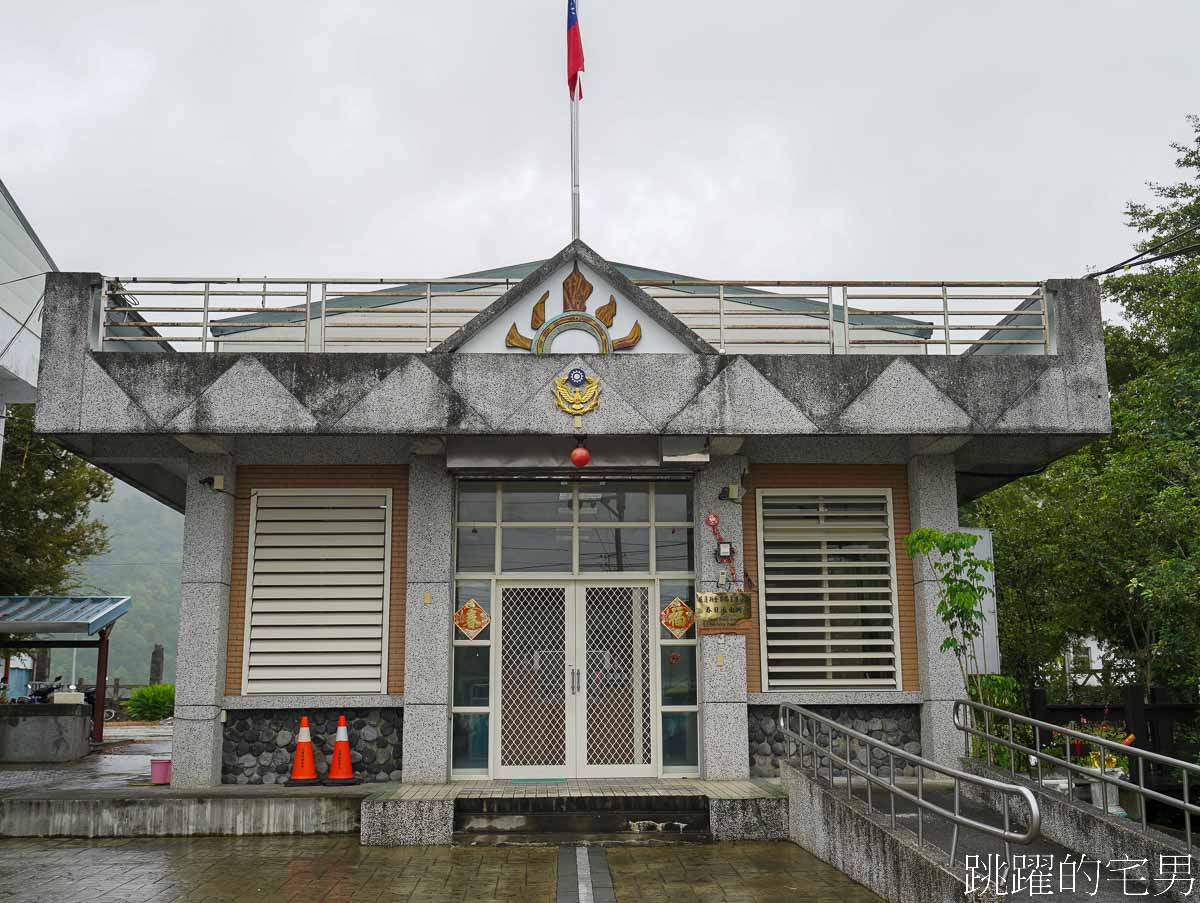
column 311, row 869
column 758, row 872
column 123, row 762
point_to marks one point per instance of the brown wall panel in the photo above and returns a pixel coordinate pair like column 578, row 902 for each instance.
column 250, row 478
column 831, row 476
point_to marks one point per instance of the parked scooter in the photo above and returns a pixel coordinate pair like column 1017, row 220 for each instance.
column 43, row 694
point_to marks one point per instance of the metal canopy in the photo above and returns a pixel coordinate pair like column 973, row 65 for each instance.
column 60, row 614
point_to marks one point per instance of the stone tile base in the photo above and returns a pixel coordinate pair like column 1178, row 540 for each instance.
column 405, row 823
column 259, row 743
column 760, row 819
column 899, row 725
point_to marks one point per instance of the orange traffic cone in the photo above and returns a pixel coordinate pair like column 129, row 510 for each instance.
column 341, row 771
column 304, row 767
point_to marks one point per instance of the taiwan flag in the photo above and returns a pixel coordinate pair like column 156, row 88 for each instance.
column 574, row 52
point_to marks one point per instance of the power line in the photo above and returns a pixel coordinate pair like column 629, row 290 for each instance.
column 1136, row 260
column 1168, row 255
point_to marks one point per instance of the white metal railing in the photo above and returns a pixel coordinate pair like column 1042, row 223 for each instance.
column 206, row 313
column 804, row 730
column 984, row 722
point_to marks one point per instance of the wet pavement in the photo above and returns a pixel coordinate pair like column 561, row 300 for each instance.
column 750, row 871
column 123, row 761
column 310, row 869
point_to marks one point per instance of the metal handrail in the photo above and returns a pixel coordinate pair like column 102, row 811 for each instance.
column 902, row 317
column 1189, row 771
column 805, row 735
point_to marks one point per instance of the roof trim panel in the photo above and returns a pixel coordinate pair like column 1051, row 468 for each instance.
column 577, row 251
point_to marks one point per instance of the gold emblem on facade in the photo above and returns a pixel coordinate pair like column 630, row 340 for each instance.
column 575, row 293
column 577, row 400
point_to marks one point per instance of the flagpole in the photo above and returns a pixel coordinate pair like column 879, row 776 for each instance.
column 575, row 158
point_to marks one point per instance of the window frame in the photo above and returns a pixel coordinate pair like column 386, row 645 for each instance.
column 897, row 644
column 575, row 524
column 653, row 578
column 388, row 550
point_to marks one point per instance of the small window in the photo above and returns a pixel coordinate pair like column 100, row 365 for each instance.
column 827, row 592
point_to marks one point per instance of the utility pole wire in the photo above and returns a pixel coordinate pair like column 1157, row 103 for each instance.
column 1150, row 250
column 1138, row 263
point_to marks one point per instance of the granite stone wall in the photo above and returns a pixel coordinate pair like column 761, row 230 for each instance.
column 899, row 725
column 259, row 743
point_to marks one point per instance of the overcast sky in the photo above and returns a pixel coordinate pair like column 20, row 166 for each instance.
column 752, row 139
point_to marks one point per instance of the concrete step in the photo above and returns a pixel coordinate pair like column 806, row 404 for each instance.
column 582, row 815
column 556, row 839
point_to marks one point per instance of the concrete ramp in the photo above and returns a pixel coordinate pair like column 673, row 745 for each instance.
column 838, row 827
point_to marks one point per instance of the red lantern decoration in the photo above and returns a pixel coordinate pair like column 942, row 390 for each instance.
column 580, row 456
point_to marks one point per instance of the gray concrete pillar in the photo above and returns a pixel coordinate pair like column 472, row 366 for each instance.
column 203, row 623
column 428, row 607
column 933, row 502
column 724, row 729
column 724, row 716
column 708, row 484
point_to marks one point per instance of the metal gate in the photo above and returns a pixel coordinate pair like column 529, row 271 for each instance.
column 534, row 720
column 615, row 700
column 576, row 679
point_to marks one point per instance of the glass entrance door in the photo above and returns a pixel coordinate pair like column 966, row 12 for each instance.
column 576, row 681
column 536, row 664
column 614, row 697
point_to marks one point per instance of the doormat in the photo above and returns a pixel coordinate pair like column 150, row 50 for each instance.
column 539, row 780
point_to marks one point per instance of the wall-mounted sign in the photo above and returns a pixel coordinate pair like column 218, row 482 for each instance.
column 722, row 609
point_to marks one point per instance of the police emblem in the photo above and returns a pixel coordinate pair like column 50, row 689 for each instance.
column 576, row 393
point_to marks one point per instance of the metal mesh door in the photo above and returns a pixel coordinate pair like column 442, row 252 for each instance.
column 533, row 704
column 617, row 675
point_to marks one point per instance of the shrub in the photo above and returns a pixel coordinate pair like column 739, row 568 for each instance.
column 152, row 703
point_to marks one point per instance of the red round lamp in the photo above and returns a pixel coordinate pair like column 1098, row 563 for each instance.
column 580, row 456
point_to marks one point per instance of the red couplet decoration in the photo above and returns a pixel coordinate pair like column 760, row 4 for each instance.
column 580, row 456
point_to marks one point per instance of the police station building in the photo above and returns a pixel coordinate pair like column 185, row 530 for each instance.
column 568, row 518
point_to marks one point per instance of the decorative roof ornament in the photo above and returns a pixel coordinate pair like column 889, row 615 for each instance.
column 575, row 293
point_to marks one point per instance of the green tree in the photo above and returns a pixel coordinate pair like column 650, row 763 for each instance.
column 45, row 527
column 961, row 589
column 1106, row 542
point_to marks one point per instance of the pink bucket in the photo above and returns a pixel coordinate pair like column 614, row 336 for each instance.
column 160, row 771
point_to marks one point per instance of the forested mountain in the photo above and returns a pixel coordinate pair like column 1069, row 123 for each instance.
column 143, row 562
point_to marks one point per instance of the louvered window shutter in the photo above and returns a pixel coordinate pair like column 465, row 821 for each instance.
column 827, row 589
column 317, row 594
